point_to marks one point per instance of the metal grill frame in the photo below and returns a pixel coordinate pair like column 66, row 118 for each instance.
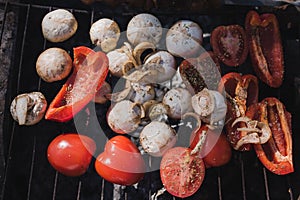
column 11, row 129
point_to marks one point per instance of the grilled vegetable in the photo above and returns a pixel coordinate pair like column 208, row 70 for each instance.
column 28, row 108
column 81, row 87
column 59, row 25
column 157, row 137
column 54, row 64
column 105, row 33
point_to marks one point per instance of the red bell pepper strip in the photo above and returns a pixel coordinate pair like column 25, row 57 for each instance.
column 276, row 154
column 265, row 47
column 90, row 71
column 242, row 91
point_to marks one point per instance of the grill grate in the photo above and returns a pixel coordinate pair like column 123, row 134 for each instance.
column 28, row 175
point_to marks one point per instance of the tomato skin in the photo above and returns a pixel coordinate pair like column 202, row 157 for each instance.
column 230, row 45
column 216, row 150
column 121, row 162
column 181, row 173
column 79, row 89
column 71, row 153
column 265, row 47
column 276, row 154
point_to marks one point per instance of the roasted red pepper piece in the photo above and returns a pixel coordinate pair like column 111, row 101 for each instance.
column 201, row 72
column 265, row 47
column 276, row 154
column 81, row 86
column 242, row 91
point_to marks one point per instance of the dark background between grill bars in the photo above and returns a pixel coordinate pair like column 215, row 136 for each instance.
column 28, row 174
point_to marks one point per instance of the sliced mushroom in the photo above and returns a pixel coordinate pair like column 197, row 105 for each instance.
column 144, row 28
column 158, row 112
column 140, row 49
column 105, row 33
column 101, row 95
column 28, row 108
column 179, row 101
column 158, row 68
column 210, row 105
column 256, row 132
column 125, row 116
column 142, row 93
column 121, row 60
column 157, row 137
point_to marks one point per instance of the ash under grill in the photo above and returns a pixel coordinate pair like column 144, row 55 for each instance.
column 28, row 175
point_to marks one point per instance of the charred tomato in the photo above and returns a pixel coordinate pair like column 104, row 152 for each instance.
column 265, row 47
column 230, row 45
column 121, row 162
column 181, row 173
column 216, row 150
column 71, row 154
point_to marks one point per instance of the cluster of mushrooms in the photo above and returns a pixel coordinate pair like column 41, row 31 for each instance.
column 146, row 101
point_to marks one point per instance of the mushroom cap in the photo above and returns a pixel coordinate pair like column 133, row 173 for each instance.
column 105, row 33
column 144, row 27
column 157, row 137
column 59, row 25
column 53, row 64
column 179, row 102
column 184, row 39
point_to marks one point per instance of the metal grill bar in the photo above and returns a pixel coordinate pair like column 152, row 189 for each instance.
column 4, row 20
column 17, row 89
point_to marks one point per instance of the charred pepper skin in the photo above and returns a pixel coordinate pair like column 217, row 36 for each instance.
column 265, row 47
column 276, row 154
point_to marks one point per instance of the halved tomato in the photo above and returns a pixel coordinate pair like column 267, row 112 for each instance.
column 181, row 173
column 230, row 45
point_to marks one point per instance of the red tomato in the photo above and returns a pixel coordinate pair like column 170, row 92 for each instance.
column 71, row 154
column 216, row 149
column 121, row 162
column 229, row 44
column 181, row 173
column 265, row 47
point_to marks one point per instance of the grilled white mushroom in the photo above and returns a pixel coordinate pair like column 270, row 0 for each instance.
column 121, row 60
column 256, row 132
column 125, row 116
column 210, row 105
column 158, row 68
column 144, row 28
column 179, row 102
column 53, row 64
column 184, row 39
column 105, row 33
column 100, row 96
column 142, row 93
column 28, row 108
column 157, row 137
column 59, row 25
column 140, row 49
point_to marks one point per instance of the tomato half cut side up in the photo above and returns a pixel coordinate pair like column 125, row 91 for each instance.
column 276, row 154
column 265, row 47
column 80, row 87
column 181, row 173
column 230, row 44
